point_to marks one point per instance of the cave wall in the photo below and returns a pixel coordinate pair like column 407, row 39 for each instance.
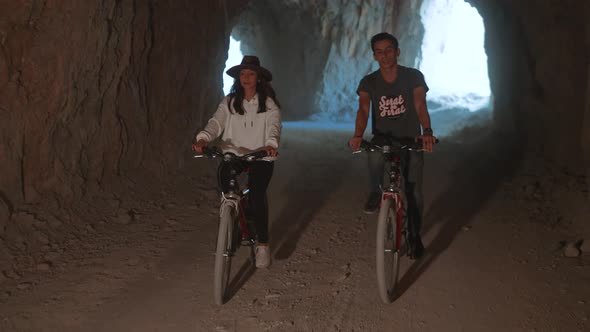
column 319, row 50
column 286, row 38
column 409, row 31
column 95, row 91
column 586, row 122
column 538, row 55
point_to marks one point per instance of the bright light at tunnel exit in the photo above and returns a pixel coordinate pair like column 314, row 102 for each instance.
column 454, row 62
column 234, row 57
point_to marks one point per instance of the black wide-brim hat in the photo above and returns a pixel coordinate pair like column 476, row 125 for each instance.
column 250, row 62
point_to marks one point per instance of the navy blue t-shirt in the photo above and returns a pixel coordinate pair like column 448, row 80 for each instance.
column 393, row 110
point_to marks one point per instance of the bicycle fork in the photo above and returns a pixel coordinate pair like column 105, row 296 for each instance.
column 237, row 204
column 400, row 229
column 247, row 238
column 231, row 201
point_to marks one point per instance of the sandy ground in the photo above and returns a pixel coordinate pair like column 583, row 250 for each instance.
column 494, row 260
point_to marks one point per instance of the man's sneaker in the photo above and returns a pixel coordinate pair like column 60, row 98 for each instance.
column 262, row 256
column 372, row 204
column 418, row 248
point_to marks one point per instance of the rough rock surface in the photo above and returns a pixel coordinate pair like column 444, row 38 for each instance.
column 93, row 93
column 320, row 49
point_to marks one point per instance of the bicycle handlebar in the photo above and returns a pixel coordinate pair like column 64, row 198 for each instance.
column 393, row 143
column 215, row 152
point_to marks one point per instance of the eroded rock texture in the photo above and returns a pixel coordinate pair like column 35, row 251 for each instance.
column 93, row 93
column 94, row 90
column 320, row 49
column 538, row 60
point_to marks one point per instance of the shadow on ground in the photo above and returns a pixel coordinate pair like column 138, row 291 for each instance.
column 477, row 175
column 306, row 193
column 316, row 173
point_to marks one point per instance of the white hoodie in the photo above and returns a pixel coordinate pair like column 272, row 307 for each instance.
column 244, row 133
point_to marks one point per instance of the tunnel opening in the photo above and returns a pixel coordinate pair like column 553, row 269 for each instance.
column 455, row 64
column 234, row 57
column 453, row 56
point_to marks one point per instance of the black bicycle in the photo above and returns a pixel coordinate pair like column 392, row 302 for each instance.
column 234, row 229
column 393, row 240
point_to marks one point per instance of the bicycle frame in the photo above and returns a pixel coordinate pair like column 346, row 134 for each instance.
column 393, row 184
column 395, row 190
column 393, row 205
column 229, row 238
column 239, row 199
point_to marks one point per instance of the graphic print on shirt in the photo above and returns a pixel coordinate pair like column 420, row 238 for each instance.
column 392, row 107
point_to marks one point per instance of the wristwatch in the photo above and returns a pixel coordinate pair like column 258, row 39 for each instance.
column 427, row 131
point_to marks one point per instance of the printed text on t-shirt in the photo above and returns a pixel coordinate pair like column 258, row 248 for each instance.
column 391, row 107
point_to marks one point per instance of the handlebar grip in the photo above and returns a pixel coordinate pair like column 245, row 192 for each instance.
column 207, row 150
column 365, row 145
column 211, row 151
column 258, row 154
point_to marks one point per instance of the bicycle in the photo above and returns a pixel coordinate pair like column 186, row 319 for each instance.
column 234, row 229
column 393, row 240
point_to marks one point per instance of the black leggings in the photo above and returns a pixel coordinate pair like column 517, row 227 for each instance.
column 259, row 176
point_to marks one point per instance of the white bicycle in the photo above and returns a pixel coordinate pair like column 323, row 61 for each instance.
column 234, row 228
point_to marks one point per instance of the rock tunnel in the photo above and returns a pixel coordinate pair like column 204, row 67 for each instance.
column 95, row 95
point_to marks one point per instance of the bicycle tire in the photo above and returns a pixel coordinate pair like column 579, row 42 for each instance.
column 387, row 249
column 223, row 253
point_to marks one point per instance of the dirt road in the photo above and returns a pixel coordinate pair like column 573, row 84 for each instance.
column 489, row 265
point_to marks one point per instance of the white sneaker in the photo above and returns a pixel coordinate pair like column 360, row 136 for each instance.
column 262, row 256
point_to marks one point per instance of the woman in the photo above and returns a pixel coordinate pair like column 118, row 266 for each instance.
column 248, row 119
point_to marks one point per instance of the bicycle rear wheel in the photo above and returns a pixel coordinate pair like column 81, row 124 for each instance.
column 388, row 248
column 224, row 252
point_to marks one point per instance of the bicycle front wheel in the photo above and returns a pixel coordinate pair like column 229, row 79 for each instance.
column 223, row 253
column 388, row 248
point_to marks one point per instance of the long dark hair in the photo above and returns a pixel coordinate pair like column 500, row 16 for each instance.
column 264, row 90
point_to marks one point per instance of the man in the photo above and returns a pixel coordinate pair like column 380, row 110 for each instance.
column 398, row 98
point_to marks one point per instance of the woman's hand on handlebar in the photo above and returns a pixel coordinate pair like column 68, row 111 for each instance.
column 198, row 147
column 271, row 152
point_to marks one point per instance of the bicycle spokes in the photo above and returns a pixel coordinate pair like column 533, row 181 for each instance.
column 388, row 253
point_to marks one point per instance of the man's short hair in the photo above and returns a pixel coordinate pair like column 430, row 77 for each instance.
column 384, row 36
